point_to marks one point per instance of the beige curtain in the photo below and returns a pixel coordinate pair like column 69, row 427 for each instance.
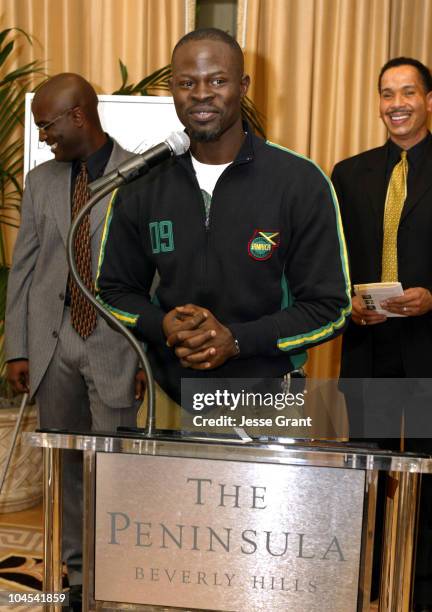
column 314, row 66
column 411, row 29
column 90, row 36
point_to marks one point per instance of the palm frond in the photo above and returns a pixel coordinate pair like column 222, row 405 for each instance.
column 6, row 51
column 29, row 69
column 13, row 87
column 157, row 80
column 5, row 32
column 124, row 73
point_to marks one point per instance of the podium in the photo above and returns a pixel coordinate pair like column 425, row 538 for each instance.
column 199, row 524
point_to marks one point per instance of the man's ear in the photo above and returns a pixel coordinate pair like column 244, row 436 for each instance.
column 78, row 116
column 244, row 84
column 170, row 84
column 429, row 102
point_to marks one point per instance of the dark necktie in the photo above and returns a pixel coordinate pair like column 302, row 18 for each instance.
column 83, row 315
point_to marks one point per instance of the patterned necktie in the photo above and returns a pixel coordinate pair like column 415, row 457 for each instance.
column 83, row 315
column 396, row 196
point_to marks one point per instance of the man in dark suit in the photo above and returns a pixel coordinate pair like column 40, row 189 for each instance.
column 377, row 346
column 82, row 379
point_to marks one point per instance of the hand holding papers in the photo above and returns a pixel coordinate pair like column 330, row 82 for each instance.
column 373, row 294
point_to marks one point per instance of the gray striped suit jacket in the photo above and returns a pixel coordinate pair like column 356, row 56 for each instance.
column 37, row 285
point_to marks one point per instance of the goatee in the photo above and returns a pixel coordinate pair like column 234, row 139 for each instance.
column 204, row 135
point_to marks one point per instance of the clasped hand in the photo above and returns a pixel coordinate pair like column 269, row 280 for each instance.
column 199, row 340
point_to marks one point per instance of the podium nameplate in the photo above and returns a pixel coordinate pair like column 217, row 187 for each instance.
column 227, row 535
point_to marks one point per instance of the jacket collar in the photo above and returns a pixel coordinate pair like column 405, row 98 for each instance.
column 422, row 182
column 246, row 153
column 61, row 188
column 98, row 212
column 375, row 181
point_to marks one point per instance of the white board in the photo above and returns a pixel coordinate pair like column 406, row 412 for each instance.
column 136, row 122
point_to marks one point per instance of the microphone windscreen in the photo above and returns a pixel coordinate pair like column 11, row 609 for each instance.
column 178, row 142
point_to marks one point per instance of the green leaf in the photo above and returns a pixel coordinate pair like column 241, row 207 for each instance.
column 124, row 73
column 125, row 91
column 157, row 80
column 6, row 51
column 27, row 70
column 3, row 34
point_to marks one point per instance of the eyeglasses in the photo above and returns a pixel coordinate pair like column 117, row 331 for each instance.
column 46, row 126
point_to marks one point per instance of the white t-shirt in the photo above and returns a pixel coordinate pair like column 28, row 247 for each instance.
column 208, row 174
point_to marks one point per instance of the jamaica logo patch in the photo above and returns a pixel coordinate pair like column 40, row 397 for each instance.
column 262, row 244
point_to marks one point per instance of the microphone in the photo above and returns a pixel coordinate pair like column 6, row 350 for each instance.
column 176, row 144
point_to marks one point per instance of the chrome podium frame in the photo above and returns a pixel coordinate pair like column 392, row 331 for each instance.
column 401, row 508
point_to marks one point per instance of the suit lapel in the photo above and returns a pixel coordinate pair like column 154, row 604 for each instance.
column 423, row 182
column 60, row 186
column 375, row 184
column 98, row 212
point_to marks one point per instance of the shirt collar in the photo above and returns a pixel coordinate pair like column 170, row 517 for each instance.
column 245, row 154
column 414, row 155
column 97, row 161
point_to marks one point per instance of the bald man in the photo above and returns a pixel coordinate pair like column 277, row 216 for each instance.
column 81, row 381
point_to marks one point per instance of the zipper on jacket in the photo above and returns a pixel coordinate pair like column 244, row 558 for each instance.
column 207, row 221
column 233, row 165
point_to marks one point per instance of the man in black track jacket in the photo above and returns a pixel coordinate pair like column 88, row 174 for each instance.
column 245, row 236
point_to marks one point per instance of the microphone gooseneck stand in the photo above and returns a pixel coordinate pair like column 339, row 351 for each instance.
column 178, row 143
column 150, row 426
column 105, row 314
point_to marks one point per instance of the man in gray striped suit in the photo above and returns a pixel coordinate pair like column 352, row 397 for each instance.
column 81, row 381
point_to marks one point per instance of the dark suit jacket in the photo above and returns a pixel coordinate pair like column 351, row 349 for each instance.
column 360, row 184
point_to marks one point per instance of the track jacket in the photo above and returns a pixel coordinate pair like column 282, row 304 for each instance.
column 271, row 265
